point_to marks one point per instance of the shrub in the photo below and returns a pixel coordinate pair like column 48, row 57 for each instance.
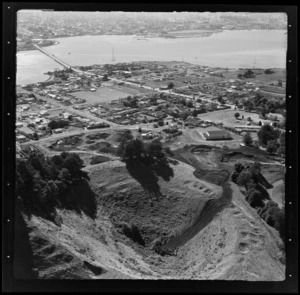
column 133, row 233
column 248, row 139
column 254, row 198
column 272, row 146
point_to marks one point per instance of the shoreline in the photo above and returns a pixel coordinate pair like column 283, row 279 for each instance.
column 55, row 43
column 195, row 35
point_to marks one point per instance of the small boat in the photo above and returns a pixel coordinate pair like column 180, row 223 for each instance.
column 69, row 53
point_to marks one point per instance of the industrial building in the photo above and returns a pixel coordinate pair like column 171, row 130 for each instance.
column 217, row 135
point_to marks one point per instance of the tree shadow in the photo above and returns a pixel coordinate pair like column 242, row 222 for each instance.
column 147, row 174
column 23, row 262
column 81, row 198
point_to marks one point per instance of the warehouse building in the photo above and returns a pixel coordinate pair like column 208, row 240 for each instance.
column 217, row 135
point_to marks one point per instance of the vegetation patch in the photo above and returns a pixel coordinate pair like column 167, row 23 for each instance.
column 44, row 184
column 99, row 159
column 98, row 136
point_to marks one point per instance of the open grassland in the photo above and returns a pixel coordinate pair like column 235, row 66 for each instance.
column 102, row 94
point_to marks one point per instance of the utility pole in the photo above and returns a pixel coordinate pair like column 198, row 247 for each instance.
column 113, row 55
column 254, row 63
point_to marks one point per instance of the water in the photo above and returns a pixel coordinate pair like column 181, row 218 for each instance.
column 232, row 49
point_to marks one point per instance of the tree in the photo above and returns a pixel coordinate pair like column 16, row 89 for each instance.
column 248, row 139
column 184, row 115
column 189, row 104
column 249, row 119
column 281, row 147
column 54, row 124
column 140, row 130
column 244, row 178
column 254, row 198
column 269, row 71
column 105, row 77
column 267, row 133
column 195, row 113
column 160, row 123
column 280, row 83
column 171, row 85
column 256, row 167
column 220, row 99
column 134, row 149
column 237, row 115
column 154, row 148
column 272, row 146
column 238, row 167
column 153, row 100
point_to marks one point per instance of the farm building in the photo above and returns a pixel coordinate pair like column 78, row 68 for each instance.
column 217, row 135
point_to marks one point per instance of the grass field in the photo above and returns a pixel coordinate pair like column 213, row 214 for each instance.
column 228, row 118
column 130, row 90
column 102, row 94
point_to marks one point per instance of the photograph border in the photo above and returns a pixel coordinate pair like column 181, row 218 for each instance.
column 289, row 285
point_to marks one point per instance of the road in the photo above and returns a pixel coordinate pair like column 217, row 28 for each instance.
column 85, row 131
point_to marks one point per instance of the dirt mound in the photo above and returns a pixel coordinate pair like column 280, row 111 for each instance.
column 102, row 147
column 98, row 136
column 157, row 212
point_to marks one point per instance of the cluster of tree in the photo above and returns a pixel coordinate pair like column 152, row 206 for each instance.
column 257, row 196
column 272, row 139
column 264, row 105
column 54, row 124
column 62, row 74
column 183, row 115
column 247, row 75
column 131, row 102
column 46, row 183
column 269, row 71
column 134, row 149
column 172, row 131
column 273, row 216
column 186, row 103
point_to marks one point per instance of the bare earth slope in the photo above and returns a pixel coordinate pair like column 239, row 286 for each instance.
column 209, row 231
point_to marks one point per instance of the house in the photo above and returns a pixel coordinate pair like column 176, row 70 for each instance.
column 44, row 113
column 51, row 95
column 38, row 120
column 26, row 131
column 163, row 87
column 58, row 130
column 19, row 124
column 67, row 115
column 217, row 135
column 21, row 138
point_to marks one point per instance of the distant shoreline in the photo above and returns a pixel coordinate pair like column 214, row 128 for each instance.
column 199, row 34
